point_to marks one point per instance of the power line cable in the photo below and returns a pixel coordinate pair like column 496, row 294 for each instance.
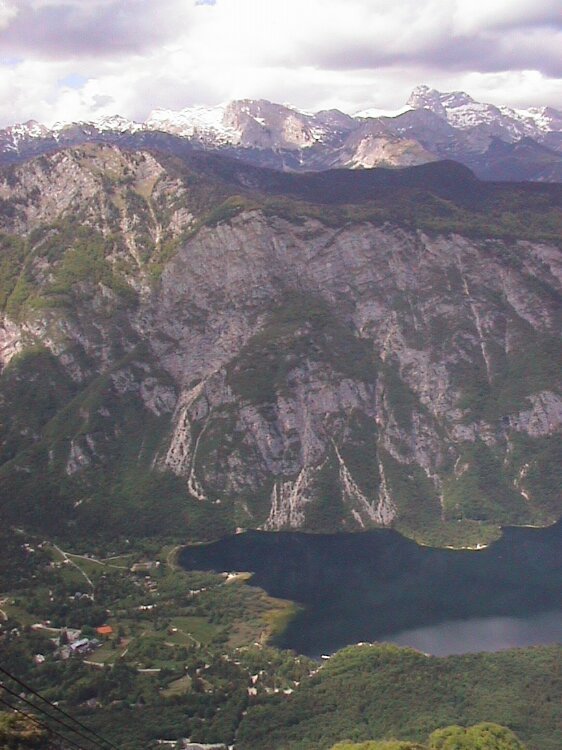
column 42, row 725
column 53, row 718
column 29, row 689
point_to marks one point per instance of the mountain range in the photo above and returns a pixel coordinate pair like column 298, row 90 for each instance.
column 497, row 143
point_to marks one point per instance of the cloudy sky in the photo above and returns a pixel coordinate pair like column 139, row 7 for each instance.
column 79, row 59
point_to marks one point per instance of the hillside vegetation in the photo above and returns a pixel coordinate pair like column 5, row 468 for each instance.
column 385, row 692
column 479, row 737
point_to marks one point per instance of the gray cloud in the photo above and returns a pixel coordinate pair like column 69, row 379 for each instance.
column 540, row 14
column 101, row 100
column 486, row 38
column 71, row 28
column 522, row 48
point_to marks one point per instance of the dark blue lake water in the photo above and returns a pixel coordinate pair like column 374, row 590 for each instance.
column 380, row 586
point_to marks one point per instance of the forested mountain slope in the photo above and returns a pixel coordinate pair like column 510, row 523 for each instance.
column 193, row 346
column 383, row 692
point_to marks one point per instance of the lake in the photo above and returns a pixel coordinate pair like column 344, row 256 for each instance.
column 377, row 585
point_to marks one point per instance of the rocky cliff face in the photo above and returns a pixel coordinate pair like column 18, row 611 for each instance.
column 169, row 366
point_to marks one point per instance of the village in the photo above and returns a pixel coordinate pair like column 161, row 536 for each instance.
column 137, row 630
column 71, row 643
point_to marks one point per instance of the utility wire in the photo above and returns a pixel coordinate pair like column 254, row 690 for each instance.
column 53, row 718
column 42, row 725
column 29, row 689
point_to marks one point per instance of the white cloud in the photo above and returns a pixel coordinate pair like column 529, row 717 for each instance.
column 8, row 11
column 136, row 55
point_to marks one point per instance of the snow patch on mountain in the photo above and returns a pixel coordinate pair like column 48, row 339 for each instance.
column 201, row 123
column 29, row 129
column 117, row 124
column 463, row 112
column 11, row 137
column 544, row 119
column 374, row 112
column 105, row 124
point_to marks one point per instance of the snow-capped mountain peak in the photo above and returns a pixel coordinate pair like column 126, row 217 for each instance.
column 117, row 124
column 461, row 111
column 20, row 133
column 204, row 123
column 24, row 130
column 29, row 129
column 457, row 107
column 105, row 123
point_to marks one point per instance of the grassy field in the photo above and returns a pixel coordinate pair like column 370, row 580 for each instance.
column 178, row 687
column 196, row 629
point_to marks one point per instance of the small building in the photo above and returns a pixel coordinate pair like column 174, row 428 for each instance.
column 104, row 630
column 144, row 567
column 73, row 634
column 80, row 647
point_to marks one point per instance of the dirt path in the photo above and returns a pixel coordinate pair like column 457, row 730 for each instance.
column 188, row 635
column 170, row 557
column 78, row 568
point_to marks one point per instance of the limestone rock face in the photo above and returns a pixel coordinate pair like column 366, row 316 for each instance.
column 278, row 374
